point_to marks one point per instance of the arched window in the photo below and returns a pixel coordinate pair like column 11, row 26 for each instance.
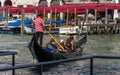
column 55, row 2
column 42, row 2
column 8, row 2
column 0, row 3
column 63, row 1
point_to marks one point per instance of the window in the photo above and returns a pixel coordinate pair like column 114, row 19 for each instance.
column 108, row 0
column 8, row 2
column 0, row 3
column 82, row 0
column 94, row 0
column 21, row 6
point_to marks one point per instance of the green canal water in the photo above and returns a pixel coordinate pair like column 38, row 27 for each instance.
column 96, row 45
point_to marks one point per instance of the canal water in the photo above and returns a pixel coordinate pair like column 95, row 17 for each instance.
column 96, row 45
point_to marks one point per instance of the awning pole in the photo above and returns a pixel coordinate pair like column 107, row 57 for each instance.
column 75, row 15
column 50, row 27
column 55, row 16
column 95, row 16
column 44, row 13
column 106, row 13
column 22, row 22
column 67, row 17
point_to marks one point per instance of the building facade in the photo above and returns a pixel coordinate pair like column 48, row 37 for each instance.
column 25, row 3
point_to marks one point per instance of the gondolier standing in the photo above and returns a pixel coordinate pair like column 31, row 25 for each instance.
column 39, row 24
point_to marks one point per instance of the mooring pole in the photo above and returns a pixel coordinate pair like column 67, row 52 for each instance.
column 91, row 66
column 22, row 22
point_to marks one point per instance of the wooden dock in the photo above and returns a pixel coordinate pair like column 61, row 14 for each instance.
column 102, row 28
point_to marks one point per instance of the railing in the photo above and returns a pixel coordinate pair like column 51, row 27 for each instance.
column 40, row 64
column 4, row 53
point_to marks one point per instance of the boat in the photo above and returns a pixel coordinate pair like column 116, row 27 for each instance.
column 42, row 54
column 14, row 26
column 72, row 30
column 69, row 30
column 31, row 30
column 54, row 30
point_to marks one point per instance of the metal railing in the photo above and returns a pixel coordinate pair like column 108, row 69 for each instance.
column 40, row 64
column 4, row 53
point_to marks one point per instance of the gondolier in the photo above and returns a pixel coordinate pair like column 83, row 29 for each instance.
column 39, row 24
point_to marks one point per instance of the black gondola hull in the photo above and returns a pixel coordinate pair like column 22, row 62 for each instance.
column 42, row 55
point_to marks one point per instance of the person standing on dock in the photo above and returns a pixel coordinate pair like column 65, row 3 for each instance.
column 39, row 24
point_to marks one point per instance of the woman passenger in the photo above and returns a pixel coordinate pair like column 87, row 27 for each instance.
column 52, row 45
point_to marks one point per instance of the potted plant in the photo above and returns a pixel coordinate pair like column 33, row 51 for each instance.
column 117, row 20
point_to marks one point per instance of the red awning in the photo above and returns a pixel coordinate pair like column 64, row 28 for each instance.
column 15, row 10
column 101, row 9
column 107, row 6
column 30, row 9
column 11, row 9
column 117, row 6
column 42, row 8
column 111, row 6
column 68, row 7
column 91, row 5
column 71, row 8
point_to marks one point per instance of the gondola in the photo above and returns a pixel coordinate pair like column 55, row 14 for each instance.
column 41, row 54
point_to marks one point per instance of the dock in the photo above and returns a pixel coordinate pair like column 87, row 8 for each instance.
column 89, row 29
column 102, row 28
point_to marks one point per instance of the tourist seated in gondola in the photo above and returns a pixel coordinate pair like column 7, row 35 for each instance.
column 51, row 46
column 69, row 44
column 62, row 43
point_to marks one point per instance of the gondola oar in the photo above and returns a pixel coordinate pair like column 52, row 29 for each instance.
column 55, row 40
column 59, row 44
column 51, row 34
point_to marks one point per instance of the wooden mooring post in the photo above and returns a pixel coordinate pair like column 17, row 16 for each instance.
column 102, row 28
